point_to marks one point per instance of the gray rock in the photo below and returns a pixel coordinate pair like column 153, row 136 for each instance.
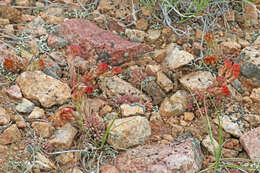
column 129, row 132
column 181, row 155
column 25, row 107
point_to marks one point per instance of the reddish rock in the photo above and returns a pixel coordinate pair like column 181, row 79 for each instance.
column 10, row 135
column 251, row 143
column 109, row 47
column 109, row 169
column 181, row 155
column 14, row 92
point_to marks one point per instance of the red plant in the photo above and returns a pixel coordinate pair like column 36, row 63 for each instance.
column 9, row 64
column 66, row 114
column 210, row 60
column 41, row 63
column 102, row 68
column 225, row 90
column 116, row 70
column 89, row 90
column 236, row 67
column 75, row 50
column 228, row 64
column 208, row 37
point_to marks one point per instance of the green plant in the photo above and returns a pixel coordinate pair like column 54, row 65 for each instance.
column 148, row 3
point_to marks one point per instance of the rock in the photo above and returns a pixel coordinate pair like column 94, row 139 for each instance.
column 233, row 121
column 257, row 41
column 230, row 16
column 3, row 148
column 51, row 68
column 159, row 55
column 164, row 81
column 41, row 162
column 198, row 34
column 114, row 86
column 113, row 48
column 152, row 69
column 74, row 170
column 105, row 110
column 250, row 63
column 153, row 35
column 4, row 117
column 44, row 89
column 188, row 116
column 4, row 21
column 235, row 94
column 19, row 121
column 210, row 144
column 197, row 80
column 230, row 47
column 65, row 158
column 251, row 143
column 59, row 58
column 176, row 58
column 109, row 169
column 135, row 35
column 250, row 15
column 25, row 107
column 227, row 153
column 55, row 42
column 36, row 113
column 44, row 129
column 181, row 155
column 175, row 105
column 132, row 109
column 153, row 89
column 64, row 137
column 14, row 92
column 129, row 132
column 255, row 95
column 141, row 24
column 10, row 135
column 146, row 11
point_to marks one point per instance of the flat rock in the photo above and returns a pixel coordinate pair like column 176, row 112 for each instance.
column 197, row 80
column 114, row 86
column 64, row 137
column 39, row 87
column 164, row 81
column 181, row 155
column 36, row 113
column 25, row 107
column 4, row 116
column 132, row 109
column 44, row 129
column 129, row 132
column 10, row 135
column 176, row 58
column 113, row 48
column 153, row 35
column 251, row 143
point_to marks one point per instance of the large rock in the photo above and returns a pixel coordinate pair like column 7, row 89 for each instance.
column 129, row 132
column 10, row 135
column 175, row 105
column 197, row 80
column 114, row 86
column 111, row 48
column 181, row 155
column 250, row 63
column 176, row 58
column 41, row 88
column 251, row 143
column 4, row 117
column 64, row 137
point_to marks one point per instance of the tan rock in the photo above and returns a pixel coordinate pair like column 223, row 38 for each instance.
column 37, row 113
column 3, row 148
column 20, row 122
column 250, row 15
column 122, row 134
column 14, row 92
column 41, row 88
column 197, row 80
column 4, row 21
column 159, row 55
column 153, row 35
column 64, row 137
column 135, row 35
column 132, row 109
column 109, row 169
column 230, row 47
column 210, row 144
column 152, row 69
column 230, row 16
column 198, row 34
column 255, row 95
column 65, row 158
column 164, row 81
column 146, row 11
column 44, row 129
column 188, row 116
column 4, row 116
column 105, row 110
column 10, row 135
column 141, row 24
